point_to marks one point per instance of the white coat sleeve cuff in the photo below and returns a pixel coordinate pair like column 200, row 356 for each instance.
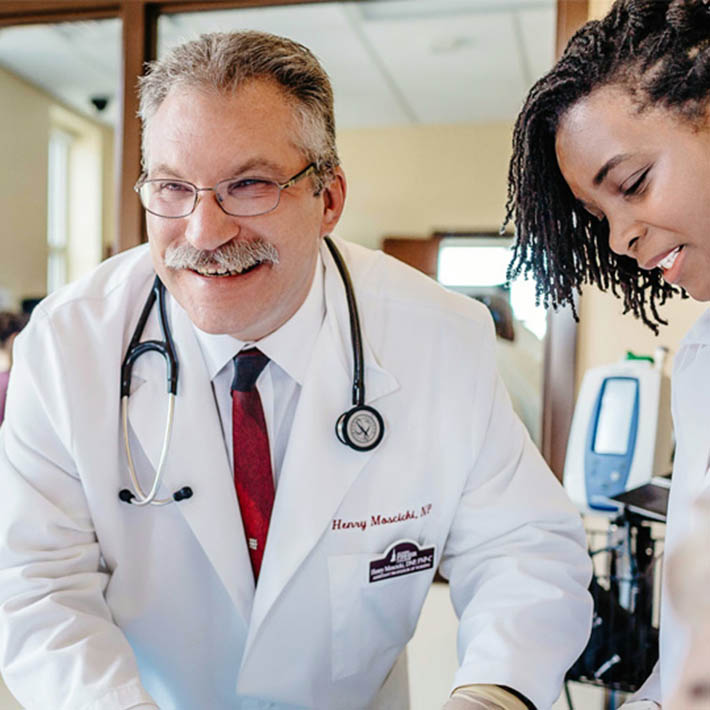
column 130, row 696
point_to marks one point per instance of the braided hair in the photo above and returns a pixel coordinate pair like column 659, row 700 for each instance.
column 657, row 50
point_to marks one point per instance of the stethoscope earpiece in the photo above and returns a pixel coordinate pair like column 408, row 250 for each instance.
column 125, row 495
column 361, row 428
column 183, row 494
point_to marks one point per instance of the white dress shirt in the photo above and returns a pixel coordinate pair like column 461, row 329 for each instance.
column 279, row 385
column 289, row 349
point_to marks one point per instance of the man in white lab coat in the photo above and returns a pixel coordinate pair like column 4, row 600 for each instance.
column 107, row 604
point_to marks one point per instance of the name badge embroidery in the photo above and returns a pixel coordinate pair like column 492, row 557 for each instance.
column 402, row 557
column 381, row 519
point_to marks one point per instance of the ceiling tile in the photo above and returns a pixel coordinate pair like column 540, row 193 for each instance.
column 391, row 61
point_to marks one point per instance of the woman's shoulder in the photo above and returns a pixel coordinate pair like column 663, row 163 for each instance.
column 699, row 334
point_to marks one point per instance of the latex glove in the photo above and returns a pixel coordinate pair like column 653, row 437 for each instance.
column 640, row 705
column 483, row 697
column 461, row 702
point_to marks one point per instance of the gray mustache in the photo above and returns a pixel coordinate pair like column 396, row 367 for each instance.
column 235, row 256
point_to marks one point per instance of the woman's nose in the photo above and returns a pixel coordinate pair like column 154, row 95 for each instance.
column 624, row 237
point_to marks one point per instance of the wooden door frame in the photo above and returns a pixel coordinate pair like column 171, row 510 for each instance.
column 560, row 363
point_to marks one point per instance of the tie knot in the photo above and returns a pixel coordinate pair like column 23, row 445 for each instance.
column 248, row 365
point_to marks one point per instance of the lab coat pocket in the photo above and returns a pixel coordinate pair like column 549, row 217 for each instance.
column 371, row 621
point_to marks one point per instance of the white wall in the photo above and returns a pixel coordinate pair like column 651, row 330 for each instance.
column 605, row 334
column 413, row 180
column 26, row 116
column 24, row 129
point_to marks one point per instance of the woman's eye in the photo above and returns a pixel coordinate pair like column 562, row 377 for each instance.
column 637, row 183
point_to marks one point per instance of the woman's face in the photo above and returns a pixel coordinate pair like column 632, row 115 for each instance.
column 648, row 175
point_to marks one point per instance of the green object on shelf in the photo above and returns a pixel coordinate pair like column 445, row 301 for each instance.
column 632, row 356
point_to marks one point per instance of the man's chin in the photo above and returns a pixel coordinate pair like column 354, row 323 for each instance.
column 224, row 323
column 214, row 325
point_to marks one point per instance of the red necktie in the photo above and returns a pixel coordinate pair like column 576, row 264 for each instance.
column 253, row 478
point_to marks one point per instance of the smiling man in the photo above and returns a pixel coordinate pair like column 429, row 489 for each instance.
column 335, row 431
column 251, row 136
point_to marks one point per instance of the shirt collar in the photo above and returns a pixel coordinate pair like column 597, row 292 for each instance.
column 290, row 346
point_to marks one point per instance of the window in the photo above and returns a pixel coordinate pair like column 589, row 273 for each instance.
column 476, row 264
column 58, row 208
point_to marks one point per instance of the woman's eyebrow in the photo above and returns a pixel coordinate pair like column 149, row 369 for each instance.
column 609, row 165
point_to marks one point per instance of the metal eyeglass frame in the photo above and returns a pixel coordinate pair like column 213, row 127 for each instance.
column 308, row 170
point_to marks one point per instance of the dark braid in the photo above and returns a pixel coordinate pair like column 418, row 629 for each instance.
column 659, row 50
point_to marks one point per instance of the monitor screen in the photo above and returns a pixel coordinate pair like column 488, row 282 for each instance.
column 615, row 415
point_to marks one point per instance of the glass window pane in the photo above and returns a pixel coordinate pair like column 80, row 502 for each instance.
column 59, row 82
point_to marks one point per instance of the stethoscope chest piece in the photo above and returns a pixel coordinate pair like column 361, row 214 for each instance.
column 361, row 428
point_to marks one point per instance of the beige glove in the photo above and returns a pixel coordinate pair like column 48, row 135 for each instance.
column 483, row 697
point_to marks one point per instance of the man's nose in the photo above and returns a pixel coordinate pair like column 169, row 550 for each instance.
column 209, row 227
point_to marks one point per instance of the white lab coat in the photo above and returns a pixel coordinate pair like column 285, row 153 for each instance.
column 690, row 401
column 94, row 592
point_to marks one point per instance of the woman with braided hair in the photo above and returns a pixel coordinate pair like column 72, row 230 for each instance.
column 609, row 184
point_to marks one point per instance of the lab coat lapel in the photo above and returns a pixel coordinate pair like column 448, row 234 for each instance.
column 318, row 470
column 197, row 456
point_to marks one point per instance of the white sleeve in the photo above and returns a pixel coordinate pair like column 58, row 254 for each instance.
column 516, row 560
column 59, row 647
column 650, row 691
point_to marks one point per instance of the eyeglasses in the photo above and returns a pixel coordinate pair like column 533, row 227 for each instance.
column 238, row 197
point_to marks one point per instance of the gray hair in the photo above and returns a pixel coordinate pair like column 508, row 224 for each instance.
column 223, row 61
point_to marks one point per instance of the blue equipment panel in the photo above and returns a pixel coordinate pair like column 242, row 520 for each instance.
column 611, row 441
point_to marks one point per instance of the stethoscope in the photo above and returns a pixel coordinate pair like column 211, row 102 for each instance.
column 361, row 427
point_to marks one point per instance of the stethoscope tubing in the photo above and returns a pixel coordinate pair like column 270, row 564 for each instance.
column 140, row 498
column 358, row 395
column 166, row 348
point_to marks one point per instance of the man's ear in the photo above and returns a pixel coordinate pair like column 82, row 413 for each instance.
column 333, row 201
